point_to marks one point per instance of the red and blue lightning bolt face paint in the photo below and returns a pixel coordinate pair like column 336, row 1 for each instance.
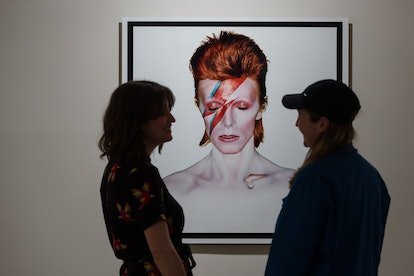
column 229, row 109
column 220, row 94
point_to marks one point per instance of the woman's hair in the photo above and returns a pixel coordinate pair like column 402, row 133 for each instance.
column 336, row 135
column 131, row 105
column 230, row 55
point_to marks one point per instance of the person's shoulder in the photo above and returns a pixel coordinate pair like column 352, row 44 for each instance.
column 140, row 168
column 312, row 172
column 345, row 158
column 369, row 171
column 276, row 171
column 271, row 166
column 279, row 178
column 282, row 172
column 365, row 163
column 188, row 178
column 142, row 172
column 278, row 183
column 182, row 181
column 177, row 178
column 342, row 155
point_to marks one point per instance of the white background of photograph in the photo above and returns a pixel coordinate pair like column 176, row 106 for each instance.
column 297, row 57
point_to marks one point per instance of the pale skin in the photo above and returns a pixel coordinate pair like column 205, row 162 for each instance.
column 228, row 172
column 224, row 175
column 165, row 256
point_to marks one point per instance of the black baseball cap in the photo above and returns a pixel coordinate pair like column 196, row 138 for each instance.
column 329, row 98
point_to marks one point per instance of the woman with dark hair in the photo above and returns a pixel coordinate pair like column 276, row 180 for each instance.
column 144, row 222
column 229, row 72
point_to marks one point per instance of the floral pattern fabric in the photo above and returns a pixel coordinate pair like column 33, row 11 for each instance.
column 133, row 199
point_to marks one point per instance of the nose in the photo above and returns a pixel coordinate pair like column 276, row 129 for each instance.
column 228, row 119
column 298, row 119
column 171, row 118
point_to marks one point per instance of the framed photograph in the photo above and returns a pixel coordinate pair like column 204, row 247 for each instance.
column 232, row 187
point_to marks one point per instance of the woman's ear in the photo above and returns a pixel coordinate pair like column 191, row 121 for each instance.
column 259, row 115
column 323, row 124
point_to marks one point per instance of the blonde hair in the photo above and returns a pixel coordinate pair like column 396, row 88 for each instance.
column 336, row 135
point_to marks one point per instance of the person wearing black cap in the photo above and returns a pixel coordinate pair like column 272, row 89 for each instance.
column 333, row 220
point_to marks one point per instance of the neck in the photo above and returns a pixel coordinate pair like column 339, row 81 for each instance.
column 149, row 148
column 233, row 168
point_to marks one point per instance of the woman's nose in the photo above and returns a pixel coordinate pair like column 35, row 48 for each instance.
column 172, row 118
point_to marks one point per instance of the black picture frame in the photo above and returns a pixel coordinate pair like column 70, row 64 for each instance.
column 337, row 38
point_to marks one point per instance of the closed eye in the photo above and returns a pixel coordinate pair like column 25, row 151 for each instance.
column 242, row 105
column 213, row 106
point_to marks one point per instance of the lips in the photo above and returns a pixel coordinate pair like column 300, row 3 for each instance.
column 228, row 138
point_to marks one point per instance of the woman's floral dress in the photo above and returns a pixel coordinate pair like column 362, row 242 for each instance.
column 134, row 197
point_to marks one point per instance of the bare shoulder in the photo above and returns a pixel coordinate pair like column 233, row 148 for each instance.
column 282, row 173
column 278, row 176
column 278, row 173
column 183, row 182
column 277, row 182
column 180, row 182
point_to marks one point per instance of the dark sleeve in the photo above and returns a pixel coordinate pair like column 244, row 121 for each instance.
column 299, row 227
column 147, row 197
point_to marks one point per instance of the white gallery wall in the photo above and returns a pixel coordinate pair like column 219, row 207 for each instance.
column 59, row 62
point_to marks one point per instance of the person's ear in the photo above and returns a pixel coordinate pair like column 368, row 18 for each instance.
column 323, row 124
column 259, row 115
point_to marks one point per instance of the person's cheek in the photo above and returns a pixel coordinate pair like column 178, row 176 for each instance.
column 245, row 117
column 207, row 123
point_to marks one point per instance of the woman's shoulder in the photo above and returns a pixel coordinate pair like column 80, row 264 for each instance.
column 140, row 169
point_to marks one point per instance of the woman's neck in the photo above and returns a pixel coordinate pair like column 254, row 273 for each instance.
column 149, row 148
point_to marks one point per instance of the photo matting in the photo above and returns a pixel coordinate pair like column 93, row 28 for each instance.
column 299, row 52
